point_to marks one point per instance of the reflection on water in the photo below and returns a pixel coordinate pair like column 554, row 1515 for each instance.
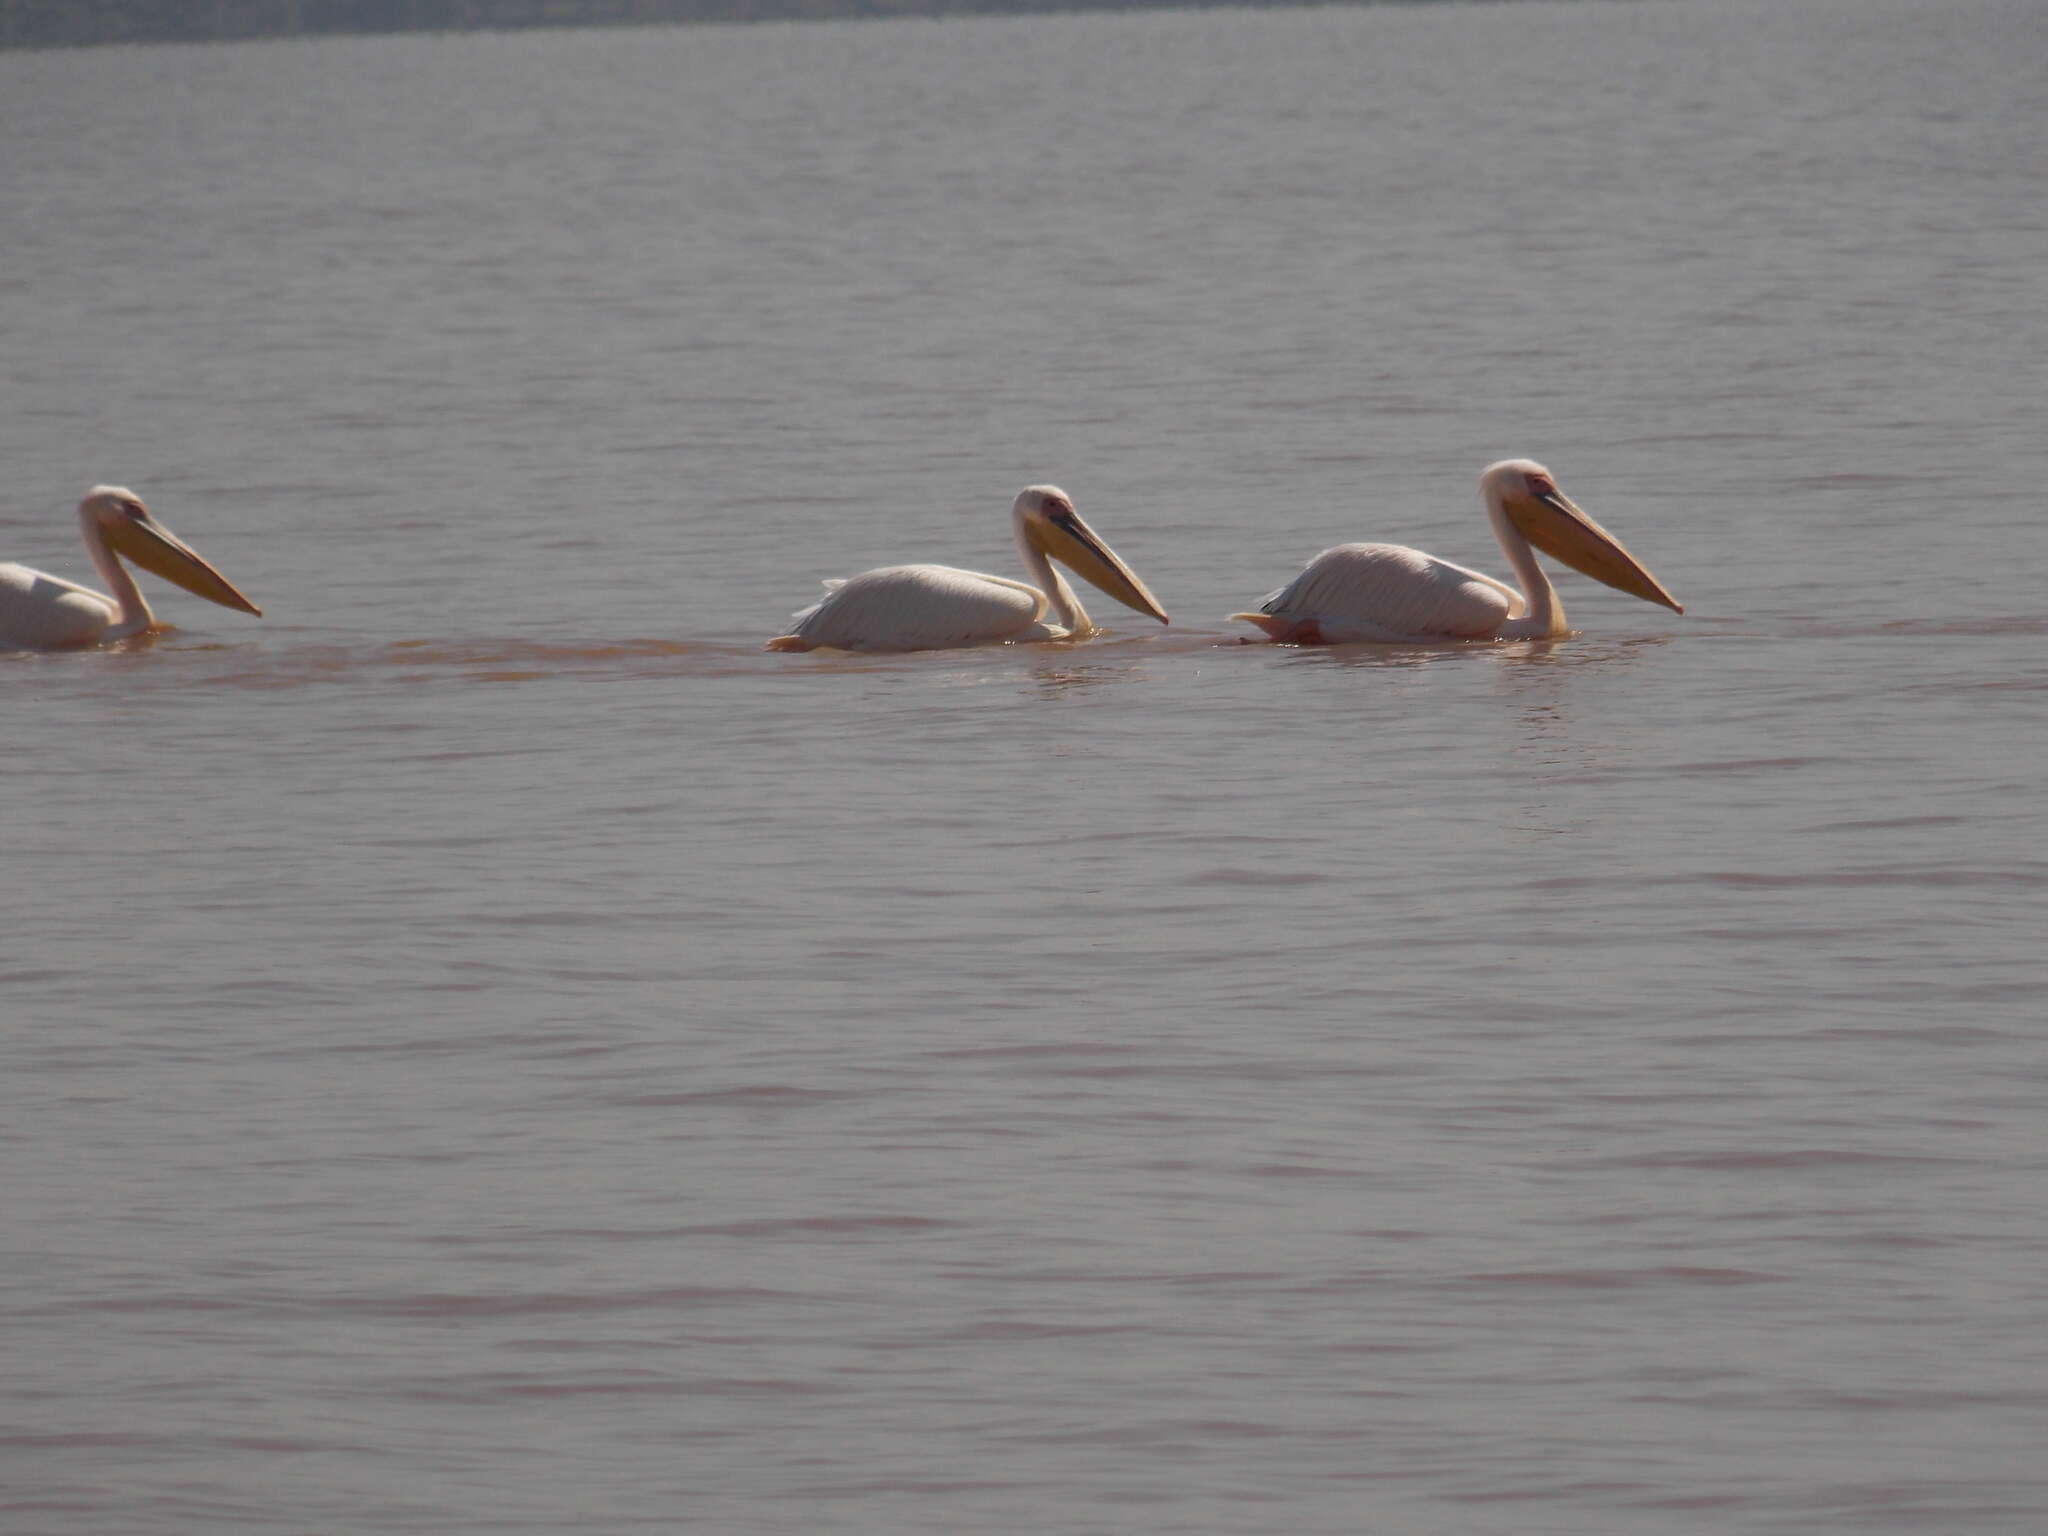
column 1369, row 655
column 1540, row 667
column 492, row 651
column 1554, row 749
column 1550, row 753
column 1055, row 681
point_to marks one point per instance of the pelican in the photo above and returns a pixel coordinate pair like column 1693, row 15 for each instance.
column 937, row 608
column 44, row 612
column 1387, row 592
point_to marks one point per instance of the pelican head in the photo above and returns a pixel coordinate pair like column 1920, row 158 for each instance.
column 1046, row 517
column 117, row 515
column 1527, row 493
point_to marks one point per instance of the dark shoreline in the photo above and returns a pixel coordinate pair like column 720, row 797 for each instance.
column 28, row 24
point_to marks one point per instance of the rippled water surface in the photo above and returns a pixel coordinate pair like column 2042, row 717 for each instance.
column 489, row 1049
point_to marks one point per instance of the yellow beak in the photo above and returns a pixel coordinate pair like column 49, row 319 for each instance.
column 156, row 549
column 1074, row 544
column 1558, row 528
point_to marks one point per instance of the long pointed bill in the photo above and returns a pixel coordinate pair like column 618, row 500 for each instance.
column 157, row 550
column 1074, row 544
column 1558, row 528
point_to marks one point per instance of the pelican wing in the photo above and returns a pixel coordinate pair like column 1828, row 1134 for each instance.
column 1389, row 592
column 39, row 611
column 918, row 608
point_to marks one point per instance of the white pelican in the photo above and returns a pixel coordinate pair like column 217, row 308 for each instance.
column 936, row 607
column 44, row 612
column 1387, row 592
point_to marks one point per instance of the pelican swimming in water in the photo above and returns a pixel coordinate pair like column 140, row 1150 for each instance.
column 937, row 608
column 43, row 612
column 1387, row 592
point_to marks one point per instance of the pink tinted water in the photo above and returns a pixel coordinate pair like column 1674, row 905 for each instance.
column 489, row 1049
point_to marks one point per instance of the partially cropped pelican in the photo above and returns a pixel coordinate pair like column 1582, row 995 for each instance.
column 44, row 612
column 1387, row 592
column 938, row 608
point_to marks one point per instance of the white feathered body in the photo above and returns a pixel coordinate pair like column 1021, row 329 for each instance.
column 1388, row 592
column 44, row 612
column 924, row 608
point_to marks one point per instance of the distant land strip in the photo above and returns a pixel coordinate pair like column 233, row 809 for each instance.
column 82, row 23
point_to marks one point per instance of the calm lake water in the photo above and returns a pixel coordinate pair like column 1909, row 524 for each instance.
column 489, row 1049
